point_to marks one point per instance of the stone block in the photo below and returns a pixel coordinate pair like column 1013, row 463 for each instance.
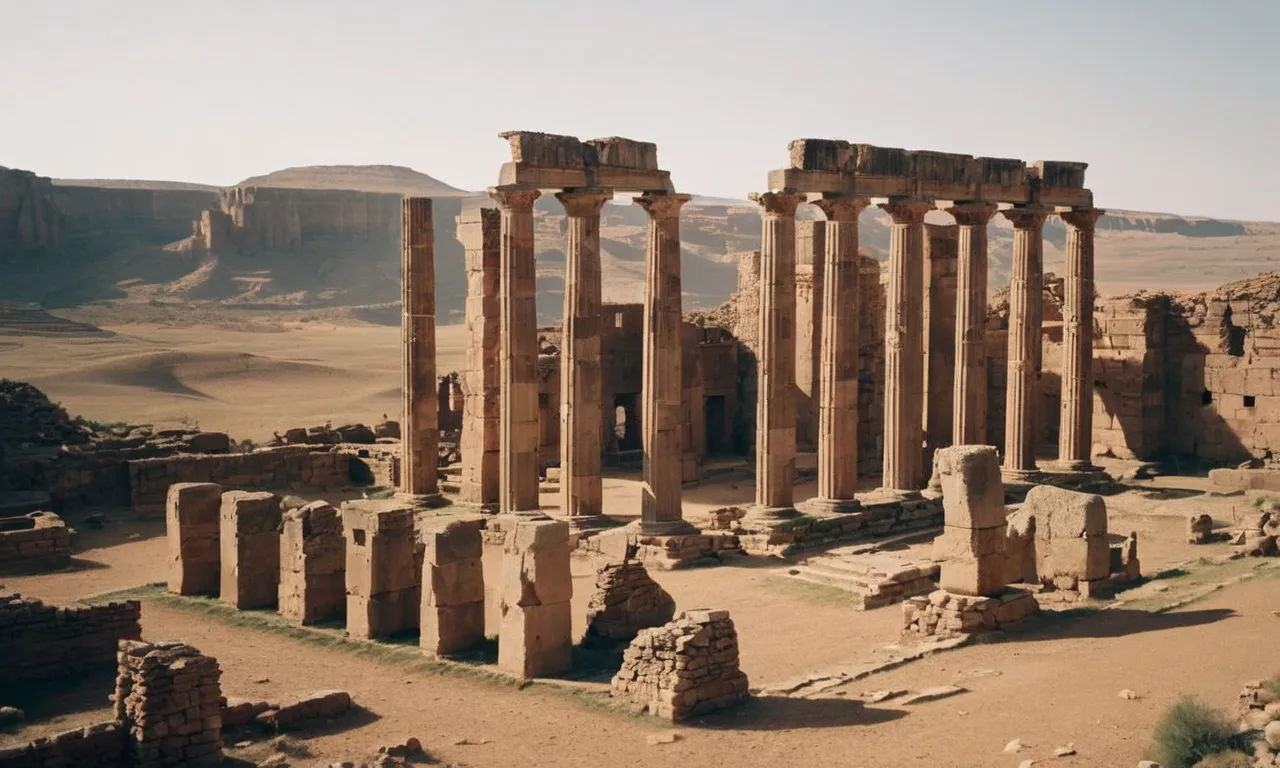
column 972, row 489
column 1003, row 172
column 1061, row 514
column 1061, row 174
column 617, row 152
column 546, row 150
column 1084, row 559
column 974, row 575
column 821, row 155
column 943, row 166
column 383, row 615
column 192, row 528
column 451, row 628
column 535, row 640
column 871, row 160
column 968, row 542
column 249, row 535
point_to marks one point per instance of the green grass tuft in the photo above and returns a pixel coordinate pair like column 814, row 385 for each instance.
column 1190, row 731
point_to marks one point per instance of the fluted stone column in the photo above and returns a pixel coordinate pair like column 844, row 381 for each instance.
column 661, row 510
column 1026, row 310
column 904, row 349
column 421, row 426
column 518, row 356
column 1075, row 432
column 580, row 372
column 480, row 232
column 969, row 414
column 838, row 379
column 776, row 358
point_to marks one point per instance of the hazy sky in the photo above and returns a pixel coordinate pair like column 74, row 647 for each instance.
column 1175, row 104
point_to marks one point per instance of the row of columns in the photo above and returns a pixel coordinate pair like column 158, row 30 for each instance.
column 903, row 467
column 581, row 496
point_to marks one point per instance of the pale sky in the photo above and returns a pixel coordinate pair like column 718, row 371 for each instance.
column 1175, row 104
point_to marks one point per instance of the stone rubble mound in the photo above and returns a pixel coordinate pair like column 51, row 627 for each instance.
column 627, row 600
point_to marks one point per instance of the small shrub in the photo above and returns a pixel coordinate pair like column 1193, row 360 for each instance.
column 1230, row 759
column 1188, row 732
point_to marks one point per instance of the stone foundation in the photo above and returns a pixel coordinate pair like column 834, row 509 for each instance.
column 298, row 469
column 686, row 668
column 942, row 614
column 192, row 525
column 383, row 577
column 168, row 694
column 452, row 616
column 38, row 541
column 878, row 518
column 38, row 641
column 626, row 601
column 100, row 745
column 535, row 637
column 249, row 531
column 313, row 564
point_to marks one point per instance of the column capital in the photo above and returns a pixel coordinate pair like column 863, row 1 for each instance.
column 582, row 203
column 514, row 198
column 777, row 203
column 907, row 210
column 972, row 214
column 1081, row 218
column 662, row 205
column 1027, row 216
column 841, row 207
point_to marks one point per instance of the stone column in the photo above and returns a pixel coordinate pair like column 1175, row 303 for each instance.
column 969, row 415
column 479, row 230
column 580, row 372
column 837, row 441
column 661, row 510
column 518, row 356
column 776, row 358
column 1075, row 432
column 939, row 336
column 903, row 349
column 420, row 430
column 810, row 252
column 1026, row 307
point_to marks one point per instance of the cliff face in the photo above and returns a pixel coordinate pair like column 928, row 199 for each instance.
column 29, row 219
column 286, row 219
column 152, row 215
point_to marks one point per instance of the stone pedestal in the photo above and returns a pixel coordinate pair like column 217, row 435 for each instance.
column 660, row 412
column 169, row 697
column 535, row 637
column 479, row 230
column 776, row 359
column 1075, row 433
column 192, row 528
column 972, row 542
column 452, row 588
column 420, row 428
column 903, row 342
column 969, row 401
column 249, row 533
column 313, row 564
column 518, row 358
column 838, row 392
column 1026, row 309
column 382, row 577
column 580, row 371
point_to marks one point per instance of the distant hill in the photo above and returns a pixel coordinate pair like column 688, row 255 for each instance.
column 360, row 178
column 136, row 184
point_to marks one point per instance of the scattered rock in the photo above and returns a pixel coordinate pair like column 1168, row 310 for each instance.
column 410, row 748
column 1128, row 694
column 1026, row 763
column 1066, row 751
column 1013, row 747
column 262, row 680
column 875, row 697
column 1272, row 734
column 1148, row 764
column 670, row 737
column 9, row 715
column 470, row 743
column 933, row 694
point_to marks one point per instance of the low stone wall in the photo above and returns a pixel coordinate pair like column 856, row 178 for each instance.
column 942, row 614
column 298, row 469
column 39, row 641
column 875, row 520
column 39, row 541
column 100, row 744
column 1246, row 479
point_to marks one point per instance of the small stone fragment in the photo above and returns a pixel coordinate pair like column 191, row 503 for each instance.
column 875, row 697
column 1148, row 764
column 670, row 737
column 933, row 694
column 1069, row 749
column 1272, row 734
column 1128, row 694
column 1013, row 747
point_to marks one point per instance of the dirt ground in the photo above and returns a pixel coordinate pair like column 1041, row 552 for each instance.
column 1052, row 682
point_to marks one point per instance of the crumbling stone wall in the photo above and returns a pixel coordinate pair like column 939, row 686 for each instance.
column 383, row 570
column 100, row 745
column 193, row 530
column 627, row 600
column 942, row 615
column 40, row 641
column 313, row 564
column 686, row 668
column 296, row 468
column 249, row 540
column 168, row 695
column 452, row 617
column 38, row 541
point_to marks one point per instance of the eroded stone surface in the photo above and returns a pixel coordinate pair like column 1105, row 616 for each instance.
column 535, row 636
column 626, row 601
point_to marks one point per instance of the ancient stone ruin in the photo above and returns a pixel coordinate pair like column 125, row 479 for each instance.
column 452, row 616
column 38, row 541
column 249, row 539
column 627, row 600
column 683, row 669
column 41, row 641
column 535, row 636
column 313, row 564
column 383, row 572
column 193, row 525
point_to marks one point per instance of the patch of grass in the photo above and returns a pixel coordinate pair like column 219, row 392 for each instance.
column 1190, row 731
column 807, row 591
column 1196, row 580
column 400, row 651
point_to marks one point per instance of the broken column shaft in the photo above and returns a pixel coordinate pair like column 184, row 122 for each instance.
column 421, row 428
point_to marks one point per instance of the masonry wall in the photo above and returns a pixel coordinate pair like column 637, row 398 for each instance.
column 93, row 746
column 291, row 468
column 39, row 641
column 38, row 541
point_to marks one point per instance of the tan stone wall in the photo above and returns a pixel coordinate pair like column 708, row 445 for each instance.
column 41, row 641
column 38, row 541
column 92, row 746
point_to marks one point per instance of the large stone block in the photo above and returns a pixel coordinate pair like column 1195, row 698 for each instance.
column 547, row 150
column 1082, row 559
column 312, row 564
column 535, row 640
column 943, row 166
column 536, row 633
column 956, row 543
column 974, row 575
column 452, row 617
column 871, row 160
column 617, row 152
column 821, row 155
column 192, row 525
column 1063, row 514
column 383, row 568
column 972, row 490
column 249, row 533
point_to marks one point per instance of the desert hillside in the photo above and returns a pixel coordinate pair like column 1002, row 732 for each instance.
column 326, row 237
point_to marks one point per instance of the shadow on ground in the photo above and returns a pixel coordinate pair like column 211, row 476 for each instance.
column 1119, row 622
column 782, row 713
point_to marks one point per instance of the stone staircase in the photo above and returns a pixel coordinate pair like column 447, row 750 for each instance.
column 875, row 578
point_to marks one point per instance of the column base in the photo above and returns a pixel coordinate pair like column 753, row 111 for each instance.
column 1020, row 475
column 760, row 512
column 882, row 495
column 1075, row 465
column 589, row 523
column 819, row 506
column 663, row 528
